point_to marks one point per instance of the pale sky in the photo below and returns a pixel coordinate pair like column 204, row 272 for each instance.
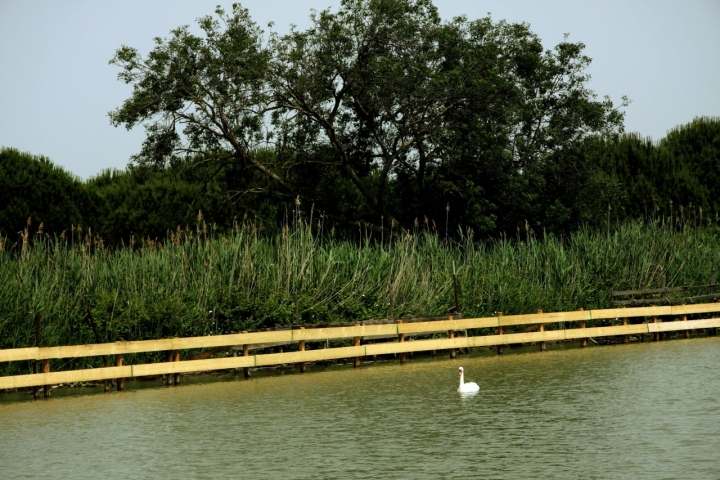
column 56, row 86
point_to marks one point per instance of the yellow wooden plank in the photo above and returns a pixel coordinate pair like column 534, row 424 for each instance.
column 683, row 325
column 529, row 337
column 309, row 355
column 191, row 366
column 609, row 331
column 509, row 320
column 486, row 322
column 487, row 341
column 587, row 315
column 445, row 325
column 416, row 346
column 699, row 308
column 429, row 327
column 71, row 376
column 258, row 346
column 18, row 354
column 120, row 348
column 633, row 312
column 310, row 334
column 128, row 371
column 234, row 339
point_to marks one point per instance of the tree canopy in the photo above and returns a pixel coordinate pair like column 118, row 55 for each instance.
column 678, row 176
column 380, row 112
column 674, row 179
column 34, row 191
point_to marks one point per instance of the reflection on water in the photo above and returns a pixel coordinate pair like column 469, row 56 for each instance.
column 625, row 411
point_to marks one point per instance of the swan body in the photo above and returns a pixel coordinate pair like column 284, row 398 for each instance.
column 469, row 387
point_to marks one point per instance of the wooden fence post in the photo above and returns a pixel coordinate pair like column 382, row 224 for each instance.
column 401, row 339
column 169, row 377
column 356, row 342
column 687, row 332
column 176, row 358
column 46, row 369
column 246, row 353
column 120, row 381
column 625, row 337
column 656, row 335
column 624, row 322
column 301, row 347
column 541, row 328
column 451, row 334
column 500, row 332
column 583, row 343
column 713, row 330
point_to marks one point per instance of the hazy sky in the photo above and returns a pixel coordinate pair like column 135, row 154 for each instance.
column 56, row 86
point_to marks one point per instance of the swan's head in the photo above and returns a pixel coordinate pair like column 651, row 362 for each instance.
column 460, row 371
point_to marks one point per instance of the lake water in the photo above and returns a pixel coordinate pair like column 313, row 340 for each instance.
column 648, row 410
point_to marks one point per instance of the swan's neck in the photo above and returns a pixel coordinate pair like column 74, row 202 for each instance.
column 462, row 379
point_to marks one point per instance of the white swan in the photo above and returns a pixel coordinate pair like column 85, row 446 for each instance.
column 469, row 387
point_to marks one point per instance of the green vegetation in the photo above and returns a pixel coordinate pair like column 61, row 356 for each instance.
column 381, row 147
column 34, row 187
column 115, row 205
column 199, row 282
column 379, row 113
column 678, row 176
column 637, row 177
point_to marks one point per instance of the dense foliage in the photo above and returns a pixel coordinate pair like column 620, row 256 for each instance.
column 678, row 176
column 34, row 189
column 637, row 177
column 379, row 113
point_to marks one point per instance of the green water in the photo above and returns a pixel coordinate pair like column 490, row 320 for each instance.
column 625, row 411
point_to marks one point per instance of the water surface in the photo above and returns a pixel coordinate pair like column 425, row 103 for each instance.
column 625, row 411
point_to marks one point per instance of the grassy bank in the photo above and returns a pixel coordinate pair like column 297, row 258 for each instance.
column 200, row 283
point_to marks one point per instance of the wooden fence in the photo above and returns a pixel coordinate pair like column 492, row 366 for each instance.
column 666, row 295
column 403, row 331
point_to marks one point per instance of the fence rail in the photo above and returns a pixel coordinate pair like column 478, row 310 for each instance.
column 711, row 288
column 668, row 300
column 303, row 335
column 650, row 291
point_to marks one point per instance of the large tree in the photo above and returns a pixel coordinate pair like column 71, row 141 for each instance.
column 379, row 103
column 366, row 83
